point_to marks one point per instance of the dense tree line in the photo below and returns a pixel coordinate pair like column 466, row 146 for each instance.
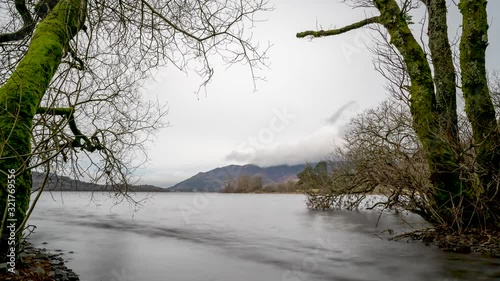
column 255, row 184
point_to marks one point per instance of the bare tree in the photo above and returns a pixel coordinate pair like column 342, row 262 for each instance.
column 71, row 72
column 243, row 184
column 381, row 154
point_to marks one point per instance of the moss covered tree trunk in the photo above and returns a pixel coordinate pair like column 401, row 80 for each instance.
column 444, row 71
column 19, row 98
column 478, row 104
column 427, row 115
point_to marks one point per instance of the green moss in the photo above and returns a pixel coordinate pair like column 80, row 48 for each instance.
column 21, row 95
column 443, row 165
column 478, row 103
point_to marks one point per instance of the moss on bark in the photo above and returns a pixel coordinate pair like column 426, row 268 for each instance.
column 444, row 70
column 21, row 95
column 478, row 103
column 443, row 164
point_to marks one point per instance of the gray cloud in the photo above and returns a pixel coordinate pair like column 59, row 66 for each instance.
column 349, row 106
column 309, row 149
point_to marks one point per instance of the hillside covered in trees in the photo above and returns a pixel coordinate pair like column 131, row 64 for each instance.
column 251, row 177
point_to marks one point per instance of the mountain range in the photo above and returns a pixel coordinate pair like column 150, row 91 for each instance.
column 62, row 183
column 210, row 181
column 214, row 180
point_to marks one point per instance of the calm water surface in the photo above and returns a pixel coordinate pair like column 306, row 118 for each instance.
column 244, row 237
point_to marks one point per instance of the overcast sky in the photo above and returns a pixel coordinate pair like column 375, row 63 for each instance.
column 312, row 88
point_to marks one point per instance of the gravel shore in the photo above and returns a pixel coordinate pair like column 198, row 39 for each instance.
column 38, row 264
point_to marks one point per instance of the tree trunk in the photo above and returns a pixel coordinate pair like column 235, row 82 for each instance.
column 19, row 98
column 444, row 71
column 443, row 164
column 478, row 103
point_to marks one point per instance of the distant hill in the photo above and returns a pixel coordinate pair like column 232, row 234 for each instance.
column 62, row 183
column 214, row 180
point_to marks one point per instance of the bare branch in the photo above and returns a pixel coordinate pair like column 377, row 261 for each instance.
column 26, row 29
column 331, row 32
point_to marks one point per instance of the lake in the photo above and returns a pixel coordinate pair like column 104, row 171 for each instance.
column 244, row 237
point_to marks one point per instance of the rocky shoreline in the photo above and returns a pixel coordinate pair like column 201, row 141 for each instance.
column 38, row 264
column 469, row 241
